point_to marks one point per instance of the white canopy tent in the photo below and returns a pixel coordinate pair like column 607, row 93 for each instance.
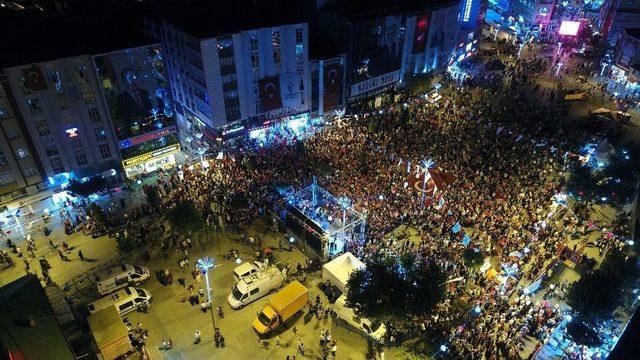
column 338, row 270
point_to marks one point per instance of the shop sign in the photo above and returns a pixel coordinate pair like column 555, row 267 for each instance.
column 150, row 155
column 375, row 83
column 147, row 137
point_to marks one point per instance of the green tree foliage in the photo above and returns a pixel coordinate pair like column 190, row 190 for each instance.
column 86, row 188
column 96, row 213
column 391, row 288
column 473, row 257
column 153, row 196
column 125, row 245
column 597, row 293
column 184, row 216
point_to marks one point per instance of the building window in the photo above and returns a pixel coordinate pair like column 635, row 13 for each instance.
column 50, row 148
column 94, row 115
column 56, row 165
column 54, row 77
column 22, row 153
column 104, row 151
column 255, row 59
column 43, row 129
column 12, row 133
column 7, row 178
column 81, row 159
column 253, row 41
column 34, row 107
column 275, row 41
column 3, row 159
column 299, row 52
column 101, row 134
column 62, row 102
column 30, row 171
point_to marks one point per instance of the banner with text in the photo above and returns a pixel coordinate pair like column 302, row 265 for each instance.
column 375, row 83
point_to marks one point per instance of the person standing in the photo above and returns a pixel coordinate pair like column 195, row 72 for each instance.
column 334, row 348
column 197, row 337
column 81, row 255
column 300, row 347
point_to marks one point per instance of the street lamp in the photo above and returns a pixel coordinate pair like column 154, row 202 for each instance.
column 428, row 164
column 204, row 265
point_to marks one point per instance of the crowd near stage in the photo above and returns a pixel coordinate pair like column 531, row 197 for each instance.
column 327, row 224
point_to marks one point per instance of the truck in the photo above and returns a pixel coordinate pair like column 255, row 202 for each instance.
column 110, row 334
column 281, row 307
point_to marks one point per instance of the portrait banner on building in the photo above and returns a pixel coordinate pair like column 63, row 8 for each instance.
column 420, row 33
column 332, row 83
column 33, row 78
column 270, row 93
column 290, row 90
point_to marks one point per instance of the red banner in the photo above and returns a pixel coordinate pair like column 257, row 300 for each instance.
column 33, row 78
column 270, row 93
column 420, row 33
column 332, row 82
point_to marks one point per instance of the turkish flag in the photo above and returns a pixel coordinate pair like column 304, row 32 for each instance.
column 270, row 93
column 332, row 81
column 420, row 33
column 33, row 78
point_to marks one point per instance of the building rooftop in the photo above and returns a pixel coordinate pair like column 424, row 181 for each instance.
column 357, row 10
column 33, row 38
column 24, row 300
column 205, row 19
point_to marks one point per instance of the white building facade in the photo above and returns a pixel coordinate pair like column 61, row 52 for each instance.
column 225, row 83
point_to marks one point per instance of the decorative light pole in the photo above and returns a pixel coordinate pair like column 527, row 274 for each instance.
column 428, row 164
column 204, row 265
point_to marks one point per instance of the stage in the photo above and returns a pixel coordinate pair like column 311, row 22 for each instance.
column 327, row 223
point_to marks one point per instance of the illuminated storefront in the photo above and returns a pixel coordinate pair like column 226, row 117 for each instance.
column 147, row 163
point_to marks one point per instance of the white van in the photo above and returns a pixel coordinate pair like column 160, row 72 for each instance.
column 346, row 314
column 256, row 286
column 125, row 301
column 246, row 270
column 120, row 277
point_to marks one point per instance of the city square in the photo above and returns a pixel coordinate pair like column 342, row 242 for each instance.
column 345, row 180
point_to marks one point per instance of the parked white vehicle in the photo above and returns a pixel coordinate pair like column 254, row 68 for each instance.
column 253, row 287
column 125, row 301
column 346, row 315
column 120, row 277
column 247, row 270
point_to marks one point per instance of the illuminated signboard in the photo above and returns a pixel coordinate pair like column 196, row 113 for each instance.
column 569, row 28
column 146, row 137
column 375, row 83
column 150, row 155
column 72, row 132
column 469, row 13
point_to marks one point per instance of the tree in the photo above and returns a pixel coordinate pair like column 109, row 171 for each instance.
column 125, row 245
column 96, row 213
column 395, row 288
column 86, row 188
column 153, row 196
column 472, row 257
column 184, row 217
column 594, row 295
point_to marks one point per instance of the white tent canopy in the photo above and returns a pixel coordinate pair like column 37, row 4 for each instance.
column 338, row 270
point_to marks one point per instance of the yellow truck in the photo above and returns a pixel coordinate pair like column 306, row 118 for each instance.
column 281, row 307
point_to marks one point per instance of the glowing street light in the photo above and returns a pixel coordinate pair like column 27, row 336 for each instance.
column 204, row 265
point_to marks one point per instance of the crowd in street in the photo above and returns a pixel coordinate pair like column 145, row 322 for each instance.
column 503, row 176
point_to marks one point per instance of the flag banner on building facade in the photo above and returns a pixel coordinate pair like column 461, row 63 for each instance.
column 290, row 90
column 33, row 78
column 332, row 81
column 270, row 93
column 420, row 33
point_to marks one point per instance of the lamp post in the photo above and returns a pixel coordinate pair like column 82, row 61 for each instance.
column 428, row 164
column 204, row 265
